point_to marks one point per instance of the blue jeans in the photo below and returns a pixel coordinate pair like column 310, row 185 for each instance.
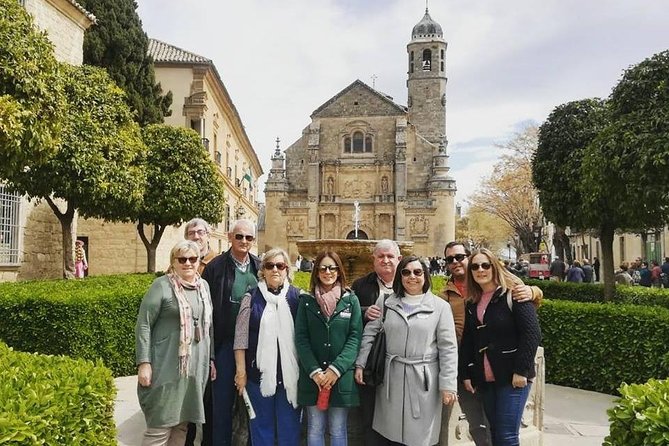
column 272, row 412
column 334, row 418
column 223, row 395
column 504, row 406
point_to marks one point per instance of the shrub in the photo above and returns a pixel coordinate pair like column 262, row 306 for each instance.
column 640, row 416
column 54, row 400
column 594, row 292
column 598, row 346
column 89, row 319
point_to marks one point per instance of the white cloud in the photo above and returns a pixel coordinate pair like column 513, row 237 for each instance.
column 507, row 62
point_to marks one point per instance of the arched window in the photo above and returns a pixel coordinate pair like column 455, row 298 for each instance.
column 411, row 62
column 427, row 60
column 347, row 144
column 368, row 144
column 442, row 60
column 358, row 142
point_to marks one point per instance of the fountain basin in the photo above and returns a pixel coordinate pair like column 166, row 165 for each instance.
column 356, row 255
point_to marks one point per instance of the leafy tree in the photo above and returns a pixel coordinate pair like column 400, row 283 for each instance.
column 31, row 96
column 182, row 183
column 118, row 43
column 482, row 229
column 97, row 169
column 611, row 157
column 508, row 193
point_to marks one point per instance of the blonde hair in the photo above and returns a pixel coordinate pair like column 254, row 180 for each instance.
column 500, row 275
column 182, row 247
column 272, row 253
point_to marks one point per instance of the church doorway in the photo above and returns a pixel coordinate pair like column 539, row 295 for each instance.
column 362, row 235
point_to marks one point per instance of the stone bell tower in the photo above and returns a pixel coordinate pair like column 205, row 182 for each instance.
column 427, row 80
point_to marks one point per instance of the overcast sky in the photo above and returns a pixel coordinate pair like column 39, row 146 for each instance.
column 509, row 62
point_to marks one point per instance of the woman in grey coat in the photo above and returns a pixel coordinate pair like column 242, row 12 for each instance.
column 421, row 358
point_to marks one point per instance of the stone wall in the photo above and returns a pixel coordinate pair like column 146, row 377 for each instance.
column 64, row 25
column 41, row 247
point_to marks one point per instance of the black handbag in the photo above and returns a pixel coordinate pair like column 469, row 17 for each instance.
column 375, row 366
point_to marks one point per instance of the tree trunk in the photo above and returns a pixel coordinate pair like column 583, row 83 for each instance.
column 66, row 219
column 151, row 245
column 606, row 236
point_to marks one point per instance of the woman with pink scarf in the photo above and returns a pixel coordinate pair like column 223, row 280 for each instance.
column 173, row 340
column 327, row 336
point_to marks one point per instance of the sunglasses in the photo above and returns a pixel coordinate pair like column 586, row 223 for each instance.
column 457, row 258
column 279, row 265
column 476, row 266
column 183, row 260
column 249, row 238
column 416, row 272
column 330, row 268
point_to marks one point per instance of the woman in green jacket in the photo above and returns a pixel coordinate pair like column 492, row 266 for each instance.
column 327, row 335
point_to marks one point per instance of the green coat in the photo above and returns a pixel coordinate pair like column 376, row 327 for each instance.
column 321, row 343
column 170, row 399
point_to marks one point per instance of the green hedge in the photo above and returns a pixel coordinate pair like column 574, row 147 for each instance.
column 54, row 400
column 598, row 346
column 594, row 292
column 641, row 416
column 89, row 319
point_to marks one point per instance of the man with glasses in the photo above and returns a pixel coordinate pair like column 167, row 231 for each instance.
column 455, row 293
column 197, row 230
column 368, row 288
column 230, row 275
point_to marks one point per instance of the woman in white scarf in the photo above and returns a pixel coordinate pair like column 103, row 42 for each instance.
column 265, row 355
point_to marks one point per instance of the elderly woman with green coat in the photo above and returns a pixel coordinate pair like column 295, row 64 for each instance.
column 173, row 339
column 328, row 328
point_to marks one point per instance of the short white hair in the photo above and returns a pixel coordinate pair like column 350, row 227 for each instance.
column 243, row 222
column 387, row 244
column 196, row 222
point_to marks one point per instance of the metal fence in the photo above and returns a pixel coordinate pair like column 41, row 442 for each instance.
column 10, row 203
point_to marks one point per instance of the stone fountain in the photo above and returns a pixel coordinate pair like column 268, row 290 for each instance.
column 356, row 255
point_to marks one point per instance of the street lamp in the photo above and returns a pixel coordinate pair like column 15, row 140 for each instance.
column 537, row 236
column 508, row 247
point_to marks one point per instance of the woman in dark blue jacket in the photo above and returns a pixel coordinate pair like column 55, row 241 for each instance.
column 500, row 340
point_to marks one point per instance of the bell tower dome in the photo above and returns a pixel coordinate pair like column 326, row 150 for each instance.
column 427, row 80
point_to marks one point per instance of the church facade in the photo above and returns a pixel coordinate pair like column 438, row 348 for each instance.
column 367, row 167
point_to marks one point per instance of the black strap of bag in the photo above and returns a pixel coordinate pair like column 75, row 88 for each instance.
column 376, row 361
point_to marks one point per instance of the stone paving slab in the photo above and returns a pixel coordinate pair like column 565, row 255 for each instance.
column 572, row 417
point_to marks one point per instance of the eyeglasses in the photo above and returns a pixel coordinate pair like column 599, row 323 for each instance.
column 279, row 265
column 457, row 258
column 330, row 268
column 476, row 266
column 200, row 232
column 249, row 238
column 183, row 260
column 416, row 272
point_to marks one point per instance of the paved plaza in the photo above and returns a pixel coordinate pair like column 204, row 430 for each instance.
column 572, row 417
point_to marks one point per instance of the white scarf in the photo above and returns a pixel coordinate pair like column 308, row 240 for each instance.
column 277, row 330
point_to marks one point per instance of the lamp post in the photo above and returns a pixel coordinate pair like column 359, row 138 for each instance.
column 537, row 236
column 508, row 247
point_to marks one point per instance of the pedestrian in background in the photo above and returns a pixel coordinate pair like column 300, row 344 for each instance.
column 80, row 261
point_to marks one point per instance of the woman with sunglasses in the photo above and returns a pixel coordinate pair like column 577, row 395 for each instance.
column 327, row 336
column 500, row 339
column 421, row 359
column 265, row 353
column 173, row 340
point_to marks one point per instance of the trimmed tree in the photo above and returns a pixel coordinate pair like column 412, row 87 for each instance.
column 119, row 44
column 31, row 95
column 603, row 165
column 625, row 170
column 97, row 169
column 182, row 182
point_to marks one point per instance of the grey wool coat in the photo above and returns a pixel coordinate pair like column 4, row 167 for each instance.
column 421, row 361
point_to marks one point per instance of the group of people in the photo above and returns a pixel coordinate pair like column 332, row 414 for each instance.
column 640, row 272
column 578, row 271
column 215, row 327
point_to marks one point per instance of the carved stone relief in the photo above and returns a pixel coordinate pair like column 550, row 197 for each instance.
column 419, row 225
column 295, row 226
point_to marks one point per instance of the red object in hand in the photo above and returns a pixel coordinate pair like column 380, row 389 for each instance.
column 323, row 399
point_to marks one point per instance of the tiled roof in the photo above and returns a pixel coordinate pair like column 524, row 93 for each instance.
column 164, row 52
column 90, row 16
